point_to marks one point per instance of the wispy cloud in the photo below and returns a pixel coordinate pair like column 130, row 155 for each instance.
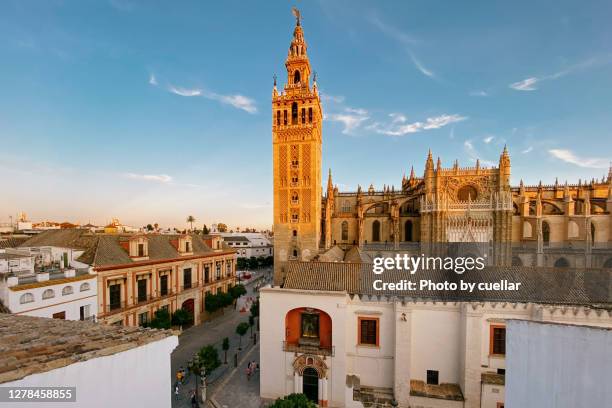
column 421, row 67
column 479, row 93
column 525, row 85
column 398, row 127
column 471, row 151
column 529, row 84
column 351, row 119
column 237, row 101
column 153, row 80
column 325, row 97
column 570, row 157
column 527, row 150
column 393, row 32
column 488, row 139
column 159, row 178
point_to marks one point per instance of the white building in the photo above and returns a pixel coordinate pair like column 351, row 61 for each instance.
column 574, row 361
column 249, row 244
column 110, row 366
column 329, row 334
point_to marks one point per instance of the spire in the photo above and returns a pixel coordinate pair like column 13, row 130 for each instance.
column 297, row 64
column 429, row 163
column 439, row 164
column 411, row 173
column 330, row 185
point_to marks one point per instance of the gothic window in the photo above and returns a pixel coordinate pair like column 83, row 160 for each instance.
column 561, row 263
column 295, row 233
column 408, row 231
column 294, row 113
column 295, row 253
column 303, row 115
column 467, row 192
column 346, row 206
column 344, row 231
column 277, row 118
column 309, row 115
column 294, row 178
column 296, row 77
column 285, row 117
column 376, row 231
column 546, row 233
column 516, row 261
column 294, row 197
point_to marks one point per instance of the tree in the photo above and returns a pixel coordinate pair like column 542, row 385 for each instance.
column 209, row 359
column 293, row 401
column 241, row 263
column 221, row 227
column 237, row 291
column 241, row 330
column 225, row 346
column 182, row 317
column 161, row 320
column 205, row 230
column 149, row 227
column 255, row 308
column 191, row 219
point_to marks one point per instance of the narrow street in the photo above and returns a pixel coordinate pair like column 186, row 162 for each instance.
column 212, row 333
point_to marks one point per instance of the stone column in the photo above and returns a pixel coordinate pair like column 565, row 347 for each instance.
column 323, row 388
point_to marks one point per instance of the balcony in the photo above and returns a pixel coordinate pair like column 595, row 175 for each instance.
column 165, row 292
column 114, row 307
column 143, row 298
column 308, row 349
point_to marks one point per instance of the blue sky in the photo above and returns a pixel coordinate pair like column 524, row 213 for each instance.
column 151, row 111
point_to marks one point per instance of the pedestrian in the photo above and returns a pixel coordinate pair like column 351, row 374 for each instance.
column 176, row 391
column 248, row 372
column 194, row 399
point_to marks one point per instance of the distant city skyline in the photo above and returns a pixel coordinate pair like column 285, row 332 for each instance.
column 150, row 112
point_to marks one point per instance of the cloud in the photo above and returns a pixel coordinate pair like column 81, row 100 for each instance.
column 237, row 101
column 159, row 178
column 351, row 121
column 421, row 67
column 528, row 84
column 153, row 80
column 527, row 150
column 393, row 32
column 488, row 139
column 569, row 157
column 400, row 128
column 479, row 93
column 357, row 111
column 184, row 91
column 397, row 118
column 525, row 84
column 325, row 97
column 474, row 155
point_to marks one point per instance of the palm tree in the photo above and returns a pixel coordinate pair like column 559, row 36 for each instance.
column 191, row 219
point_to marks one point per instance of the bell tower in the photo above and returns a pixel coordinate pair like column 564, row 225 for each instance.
column 296, row 143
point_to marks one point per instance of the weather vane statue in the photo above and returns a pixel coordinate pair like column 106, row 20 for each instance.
column 297, row 15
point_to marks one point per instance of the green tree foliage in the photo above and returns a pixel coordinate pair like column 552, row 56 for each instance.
column 221, row 227
column 161, row 320
column 237, row 291
column 149, row 227
column 241, row 330
column 182, row 317
column 209, row 358
column 191, row 219
column 293, row 401
column 205, row 230
column 212, row 303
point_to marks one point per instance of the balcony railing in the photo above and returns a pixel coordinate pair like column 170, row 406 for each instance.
column 114, row 307
column 308, row 349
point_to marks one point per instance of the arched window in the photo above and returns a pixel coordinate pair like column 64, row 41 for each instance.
column 294, row 113
column 303, row 115
column 516, row 261
column 67, row 290
column 561, row 263
column 295, row 233
column 285, row 117
column 84, row 287
column 592, row 232
column 278, row 118
column 376, row 231
column 294, row 197
column 296, row 77
column 26, row 298
column 309, row 115
column 408, row 231
column 608, row 263
column 545, row 233
column 48, row 294
column 344, row 230
column 467, row 192
column 295, row 253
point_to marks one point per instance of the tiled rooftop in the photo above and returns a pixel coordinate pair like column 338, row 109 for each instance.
column 30, row 345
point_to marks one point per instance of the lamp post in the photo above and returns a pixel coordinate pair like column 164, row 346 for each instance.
column 203, row 387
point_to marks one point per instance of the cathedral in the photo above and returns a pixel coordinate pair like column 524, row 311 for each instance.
column 559, row 224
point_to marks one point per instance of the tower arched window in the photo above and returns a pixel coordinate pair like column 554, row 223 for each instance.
column 277, row 118
column 344, row 230
column 303, row 115
column 295, row 253
column 294, row 197
column 285, row 117
column 546, row 233
column 296, row 77
column 376, row 231
column 309, row 115
column 294, row 113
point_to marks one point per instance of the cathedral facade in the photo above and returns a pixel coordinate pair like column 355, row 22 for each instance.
column 542, row 225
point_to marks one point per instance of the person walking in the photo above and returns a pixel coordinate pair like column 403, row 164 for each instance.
column 176, row 391
column 194, row 399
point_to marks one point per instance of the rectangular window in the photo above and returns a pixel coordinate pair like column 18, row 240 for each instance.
column 84, row 312
column 309, row 115
column 143, row 318
column 142, row 290
column 285, row 117
column 277, row 118
column 432, row 377
column 368, row 331
column 59, row 315
column 497, row 340
column 206, row 274
column 187, row 246
column 163, row 285
column 187, row 278
column 115, row 296
column 141, row 250
column 303, row 115
column 218, row 271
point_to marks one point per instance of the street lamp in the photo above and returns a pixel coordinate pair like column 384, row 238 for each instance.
column 203, row 387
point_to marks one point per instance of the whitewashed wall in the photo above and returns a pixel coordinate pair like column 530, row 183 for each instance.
column 138, row 377
column 557, row 366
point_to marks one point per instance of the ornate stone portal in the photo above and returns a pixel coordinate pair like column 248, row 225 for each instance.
column 304, row 363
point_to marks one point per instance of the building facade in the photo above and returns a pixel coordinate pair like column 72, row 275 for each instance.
column 249, row 244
